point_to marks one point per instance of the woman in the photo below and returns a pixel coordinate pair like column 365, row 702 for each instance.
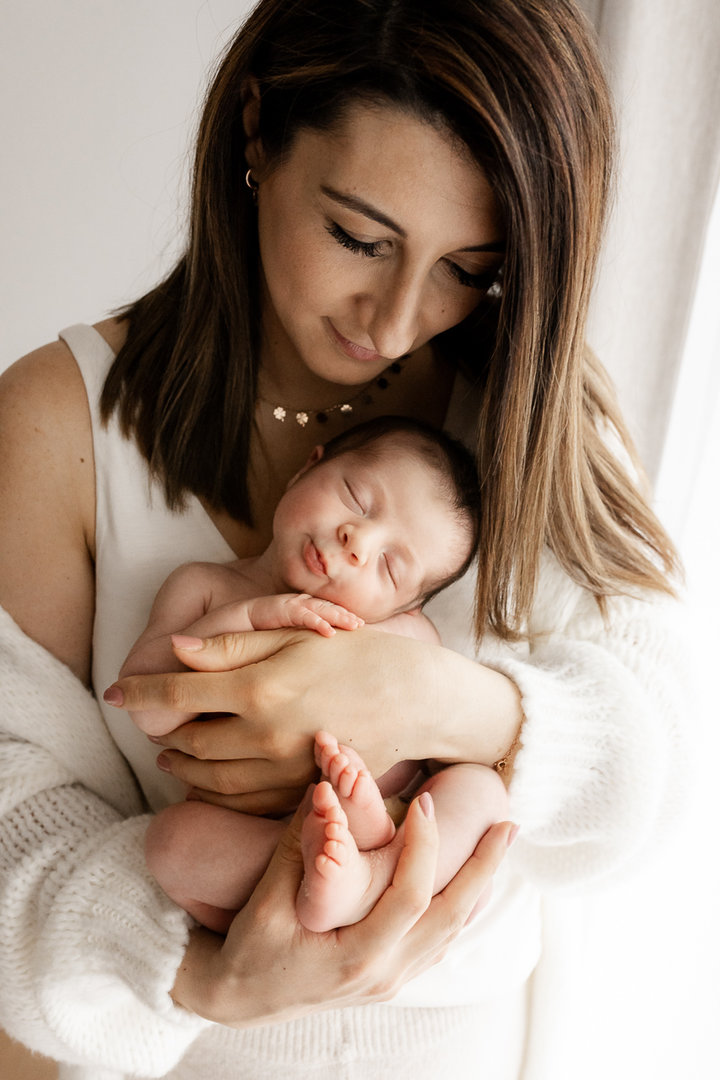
column 397, row 207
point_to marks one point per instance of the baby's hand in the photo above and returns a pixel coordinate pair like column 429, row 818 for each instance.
column 301, row 609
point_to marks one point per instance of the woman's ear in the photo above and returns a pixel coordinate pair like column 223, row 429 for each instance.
column 315, row 457
column 251, row 123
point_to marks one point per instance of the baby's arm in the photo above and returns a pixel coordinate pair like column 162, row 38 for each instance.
column 182, row 601
column 184, row 604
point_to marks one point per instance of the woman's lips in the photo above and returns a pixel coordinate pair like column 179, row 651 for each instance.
column 314, row 560
column 356, row 352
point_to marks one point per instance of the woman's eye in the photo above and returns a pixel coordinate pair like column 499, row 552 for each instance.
column 358, row 247
column 482, row 281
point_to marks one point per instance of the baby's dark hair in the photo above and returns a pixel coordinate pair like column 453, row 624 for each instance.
column 452, row 463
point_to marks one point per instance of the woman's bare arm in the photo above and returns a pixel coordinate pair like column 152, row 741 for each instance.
column 47, row 504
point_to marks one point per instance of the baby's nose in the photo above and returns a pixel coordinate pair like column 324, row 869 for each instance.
column 356, row 543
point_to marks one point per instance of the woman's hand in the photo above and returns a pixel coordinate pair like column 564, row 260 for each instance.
column 260, row 971
column 391, row 697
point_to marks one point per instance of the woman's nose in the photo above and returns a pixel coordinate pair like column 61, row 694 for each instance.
column 393, row 324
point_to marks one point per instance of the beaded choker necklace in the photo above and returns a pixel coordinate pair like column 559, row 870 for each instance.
column 362, row 399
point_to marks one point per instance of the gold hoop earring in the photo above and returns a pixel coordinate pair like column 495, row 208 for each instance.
column 252, row 184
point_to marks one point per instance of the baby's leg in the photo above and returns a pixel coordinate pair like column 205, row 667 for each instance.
column 468, row 800
column 342, row 883
column 209, row 859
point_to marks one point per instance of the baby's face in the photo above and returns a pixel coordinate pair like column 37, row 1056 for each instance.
column 369, row 532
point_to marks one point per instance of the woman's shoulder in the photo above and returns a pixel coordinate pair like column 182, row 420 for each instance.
column 42, row 387
column 44, row 413
column 47, row 383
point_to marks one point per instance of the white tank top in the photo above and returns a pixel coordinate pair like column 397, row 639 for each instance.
column 139, row 541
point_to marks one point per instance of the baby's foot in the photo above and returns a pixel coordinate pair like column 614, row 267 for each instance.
column 357, row 792
column 334, row 889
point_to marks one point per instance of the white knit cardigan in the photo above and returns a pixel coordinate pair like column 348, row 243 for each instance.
column 90, row 946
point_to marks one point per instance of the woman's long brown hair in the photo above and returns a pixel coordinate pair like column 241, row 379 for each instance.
column 519, row 83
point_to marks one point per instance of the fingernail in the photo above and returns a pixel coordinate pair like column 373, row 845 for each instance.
column 155, row 739
column 113, row 696
column 163, row 762
column 512, row 834
column 427, row 806
column 190, row 644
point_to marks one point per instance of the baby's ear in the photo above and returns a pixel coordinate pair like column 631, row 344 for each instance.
column 315, row 457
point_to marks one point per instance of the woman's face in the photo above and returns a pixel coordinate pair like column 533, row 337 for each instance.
column 374, row 237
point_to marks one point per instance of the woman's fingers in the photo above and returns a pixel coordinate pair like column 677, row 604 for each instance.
column 410, row 892
column 219, row 738
column 409, row 927
column 228, row 776
column 450, row 910
column 227, row 737
column 196, row 691
column 228, row 651
column 273, row 801
column 281, row 880
column 204, row 766
column 184, row 692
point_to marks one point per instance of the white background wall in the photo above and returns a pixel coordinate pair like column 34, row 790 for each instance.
column 97, row 106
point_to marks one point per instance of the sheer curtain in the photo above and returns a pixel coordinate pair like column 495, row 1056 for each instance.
column 629, row 986
column 662, row 58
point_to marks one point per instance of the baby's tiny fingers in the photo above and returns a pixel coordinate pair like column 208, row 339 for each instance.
column 345, row 620
column 340, row 616
column 328, row 613
column 312, row 621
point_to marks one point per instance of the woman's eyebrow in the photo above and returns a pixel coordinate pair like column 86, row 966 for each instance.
column 494, row 246
column 360, row 206
column 352, row 202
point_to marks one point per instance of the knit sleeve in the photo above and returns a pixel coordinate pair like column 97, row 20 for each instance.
column 602, row 767
column 90, row 945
